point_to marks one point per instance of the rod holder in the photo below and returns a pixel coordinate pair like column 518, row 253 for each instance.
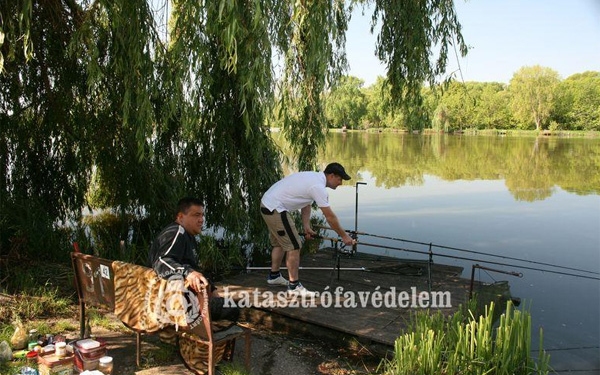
column 356, row 215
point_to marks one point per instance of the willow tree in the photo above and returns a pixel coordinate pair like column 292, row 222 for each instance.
column 532, row 91
column 414, row 43
column 95, row 95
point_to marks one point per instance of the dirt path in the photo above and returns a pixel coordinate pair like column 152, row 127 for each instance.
column 272, row 353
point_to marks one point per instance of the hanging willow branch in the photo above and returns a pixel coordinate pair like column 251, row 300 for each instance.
column 411, row 33
column 314, row 57
column 99, row 109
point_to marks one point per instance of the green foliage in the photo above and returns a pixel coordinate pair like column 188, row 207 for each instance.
column 310, row 39
column 381, row 111
column 36, row 302
column 535, row 95
column 99, row 109
column 217, row 257
column 468, row 344
column 116, row 129
column 346, row 104
column 580, row 101
column 413, row 42
column 44, row 150
column 532, row 95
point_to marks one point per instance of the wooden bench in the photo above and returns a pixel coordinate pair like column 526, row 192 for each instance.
column 95, row 283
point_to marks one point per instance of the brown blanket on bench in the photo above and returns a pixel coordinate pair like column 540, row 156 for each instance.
column 146, row 303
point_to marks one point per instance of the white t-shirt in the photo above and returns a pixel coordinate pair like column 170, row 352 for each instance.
column 296, row 191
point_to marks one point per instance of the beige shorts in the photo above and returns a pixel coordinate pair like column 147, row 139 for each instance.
column 282, row 230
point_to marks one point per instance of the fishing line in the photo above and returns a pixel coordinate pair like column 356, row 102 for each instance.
column 478, row 260
column 474, row 252
column 575, row 348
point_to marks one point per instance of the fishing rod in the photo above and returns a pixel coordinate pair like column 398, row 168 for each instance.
column 478, row 260
column 332, row 268
column 430, row 254
column 469, row 251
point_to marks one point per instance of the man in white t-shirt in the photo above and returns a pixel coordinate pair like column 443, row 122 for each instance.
column 295, row 192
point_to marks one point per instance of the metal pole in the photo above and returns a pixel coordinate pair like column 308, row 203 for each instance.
column 429, row 263
column 312, row 268
column 337, row 254
column 472, row 280
column 356, row 214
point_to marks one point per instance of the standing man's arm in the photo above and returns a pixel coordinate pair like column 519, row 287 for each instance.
column 334, row 224
column 308, row 231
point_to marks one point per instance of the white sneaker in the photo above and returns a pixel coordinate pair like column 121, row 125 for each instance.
column 278, row 281
column 301, row 291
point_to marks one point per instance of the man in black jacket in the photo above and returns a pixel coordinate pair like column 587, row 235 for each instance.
column 173, row 254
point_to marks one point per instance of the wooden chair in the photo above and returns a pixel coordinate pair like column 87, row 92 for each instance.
column 219, row 343
column 94, row 281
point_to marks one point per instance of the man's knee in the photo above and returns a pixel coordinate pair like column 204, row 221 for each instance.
column 219, row 312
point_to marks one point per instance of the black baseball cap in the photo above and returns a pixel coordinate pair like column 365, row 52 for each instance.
column 337, row 169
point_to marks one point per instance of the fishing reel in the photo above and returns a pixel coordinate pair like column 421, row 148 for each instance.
column 345, row 250
column 349, row 250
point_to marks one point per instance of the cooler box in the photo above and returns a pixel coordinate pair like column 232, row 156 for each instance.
column 50, row 364
column 87, row 353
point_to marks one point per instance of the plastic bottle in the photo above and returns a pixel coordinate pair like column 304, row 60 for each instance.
column 33, row 336
column 32, row 339
column 105, row 365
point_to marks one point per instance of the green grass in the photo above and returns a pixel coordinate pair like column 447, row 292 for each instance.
column 467, row 344
column 161, row 354
column 37, row 303
column 232, row 368
column 97, row 318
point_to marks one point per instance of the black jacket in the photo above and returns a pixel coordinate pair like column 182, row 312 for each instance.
column 173, row 252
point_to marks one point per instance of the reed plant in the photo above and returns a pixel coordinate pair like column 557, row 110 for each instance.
column 467, row 344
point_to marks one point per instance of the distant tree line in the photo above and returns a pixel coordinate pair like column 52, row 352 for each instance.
column 536, row 98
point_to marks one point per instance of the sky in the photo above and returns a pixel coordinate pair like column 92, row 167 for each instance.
column 503, row 36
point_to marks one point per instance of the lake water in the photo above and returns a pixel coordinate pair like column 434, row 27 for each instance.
column 536, row 199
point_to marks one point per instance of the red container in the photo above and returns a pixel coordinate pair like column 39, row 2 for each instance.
column 86, row 356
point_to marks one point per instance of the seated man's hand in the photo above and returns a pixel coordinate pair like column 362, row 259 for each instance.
column 196, row 280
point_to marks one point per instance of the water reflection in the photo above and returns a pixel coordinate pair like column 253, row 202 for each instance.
column 530, row 167
column 530, row 198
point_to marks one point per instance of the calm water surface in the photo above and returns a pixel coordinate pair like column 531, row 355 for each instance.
column 529, row 198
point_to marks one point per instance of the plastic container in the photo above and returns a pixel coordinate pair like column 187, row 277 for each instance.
column 33, row 336
column 82, row 364
column 50, row 364
column 105, row 365
column 88, row 344
column 32, row 356
column 87, row 353
column 60, row 349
